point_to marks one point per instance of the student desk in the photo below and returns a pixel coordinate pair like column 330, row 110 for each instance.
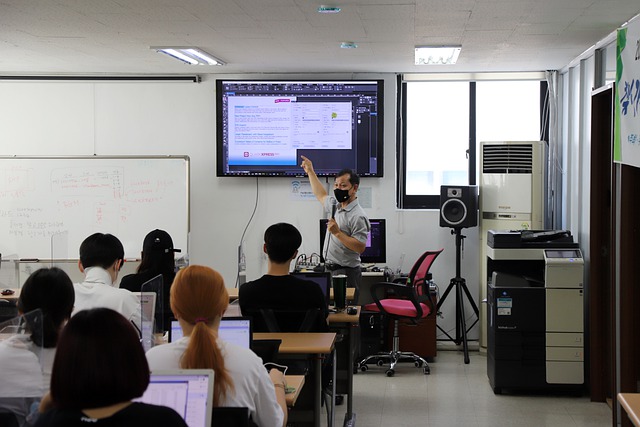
column 233, row 293
column 309, row 344
column 630, row 402
column 14, row 296
column 346, row 326
column 295, row 381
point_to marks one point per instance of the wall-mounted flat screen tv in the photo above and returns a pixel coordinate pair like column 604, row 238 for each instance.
column 264, row 126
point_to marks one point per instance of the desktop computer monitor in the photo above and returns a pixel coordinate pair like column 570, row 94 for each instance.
column 376, row 248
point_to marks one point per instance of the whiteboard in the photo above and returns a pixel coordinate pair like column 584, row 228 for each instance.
column 49, row 205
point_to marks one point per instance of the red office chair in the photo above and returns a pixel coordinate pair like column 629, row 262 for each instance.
column 410, row 300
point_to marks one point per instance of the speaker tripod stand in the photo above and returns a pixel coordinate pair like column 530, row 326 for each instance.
column 461, row 289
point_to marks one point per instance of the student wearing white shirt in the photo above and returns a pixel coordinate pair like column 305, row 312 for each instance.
column 101, row 257
column 27, row 359
column 198, row 300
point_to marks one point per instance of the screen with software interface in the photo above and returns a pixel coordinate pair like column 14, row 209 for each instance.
column 187, row 394
column 236, row 330
column 263, row 127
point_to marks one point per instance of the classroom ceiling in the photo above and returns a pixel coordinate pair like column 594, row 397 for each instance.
column 290, row 36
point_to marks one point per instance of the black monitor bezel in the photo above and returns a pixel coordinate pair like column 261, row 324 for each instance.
column 330, row 169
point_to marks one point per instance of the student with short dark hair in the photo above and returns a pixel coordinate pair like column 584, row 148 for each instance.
column 27, row 359
column 278, row 289
column 198, row 300
column 101, row 257
column 99, row 368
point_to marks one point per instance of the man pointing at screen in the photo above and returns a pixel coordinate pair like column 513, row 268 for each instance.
column 348, row 226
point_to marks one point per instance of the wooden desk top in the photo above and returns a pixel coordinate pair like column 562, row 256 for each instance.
column 15, row 295
column 631, row 404
column 233, row 293
column 301, row 342
column 341, row 317
column 297, row 382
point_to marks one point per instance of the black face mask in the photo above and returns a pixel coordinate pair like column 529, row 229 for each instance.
column 341, row 195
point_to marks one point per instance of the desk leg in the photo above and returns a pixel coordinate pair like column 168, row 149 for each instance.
column 332, row 420
column 318, row 398
column 353, row 330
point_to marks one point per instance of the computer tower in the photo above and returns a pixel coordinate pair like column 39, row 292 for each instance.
column 373, row 328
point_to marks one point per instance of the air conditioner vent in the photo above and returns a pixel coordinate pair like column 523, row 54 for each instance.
column 507, row 158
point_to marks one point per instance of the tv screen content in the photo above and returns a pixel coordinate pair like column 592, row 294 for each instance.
column 376, row 246
column 263, row 127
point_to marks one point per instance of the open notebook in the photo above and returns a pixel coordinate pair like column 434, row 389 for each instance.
column 188, row 391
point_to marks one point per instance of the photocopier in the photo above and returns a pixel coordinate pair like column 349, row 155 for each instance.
column 535, row 321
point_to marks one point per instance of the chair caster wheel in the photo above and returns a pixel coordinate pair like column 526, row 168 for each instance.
column 390, row 372
column 364, row 368
column 417, row 364
column 380, row 362
column 426, row 370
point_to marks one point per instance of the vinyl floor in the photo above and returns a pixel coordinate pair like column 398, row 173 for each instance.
column 455, row 394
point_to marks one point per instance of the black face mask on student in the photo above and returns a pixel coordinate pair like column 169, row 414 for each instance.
column 341, row 195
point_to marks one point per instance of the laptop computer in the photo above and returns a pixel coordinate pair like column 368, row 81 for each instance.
column 148, row 311
column 188, row 391
column 322, row 279
column 156, row 284
column 237, row 330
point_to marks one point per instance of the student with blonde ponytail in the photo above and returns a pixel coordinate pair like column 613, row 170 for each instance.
column 198, row 300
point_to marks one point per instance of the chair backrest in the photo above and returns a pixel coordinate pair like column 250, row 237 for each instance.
column 287, row 320
column 420, row 269
column 8, row 310
column 231, row 417
column 8, row 419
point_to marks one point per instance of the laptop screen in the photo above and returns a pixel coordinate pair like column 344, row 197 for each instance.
column 236, row 330
column 148, row 310
column 188, row 391
column 323, row 279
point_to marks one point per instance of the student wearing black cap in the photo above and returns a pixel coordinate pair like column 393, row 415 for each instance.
column 157, row 258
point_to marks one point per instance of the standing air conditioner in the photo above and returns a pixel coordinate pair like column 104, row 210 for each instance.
column 512, row 197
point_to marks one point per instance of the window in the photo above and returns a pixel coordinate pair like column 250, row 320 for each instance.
column 444, row 121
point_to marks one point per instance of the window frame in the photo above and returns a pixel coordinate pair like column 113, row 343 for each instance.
column 432, row 201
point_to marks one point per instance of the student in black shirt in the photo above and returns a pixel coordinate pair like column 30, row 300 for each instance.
column 278, row 289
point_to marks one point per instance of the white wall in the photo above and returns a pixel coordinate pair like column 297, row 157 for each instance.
column 157, row 118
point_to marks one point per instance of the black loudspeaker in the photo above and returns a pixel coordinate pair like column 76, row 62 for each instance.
column 458, row 206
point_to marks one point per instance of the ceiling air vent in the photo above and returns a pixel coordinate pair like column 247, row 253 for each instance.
column 507, row 158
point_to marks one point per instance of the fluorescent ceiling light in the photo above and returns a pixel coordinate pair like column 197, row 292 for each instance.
column 189, row 55
column 348, row 45
column 437, row 55
column 329, row 9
